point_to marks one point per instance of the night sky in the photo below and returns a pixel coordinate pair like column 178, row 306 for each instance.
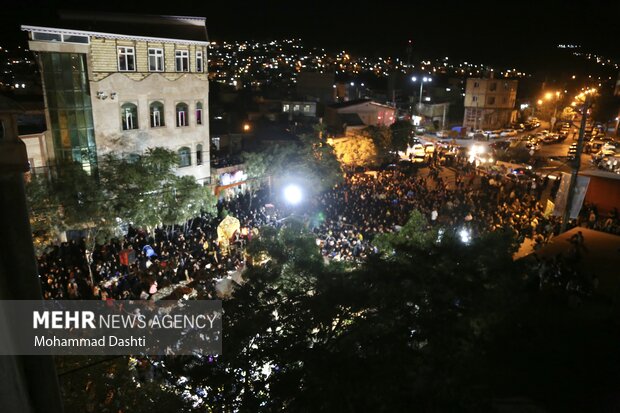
column 506, row 33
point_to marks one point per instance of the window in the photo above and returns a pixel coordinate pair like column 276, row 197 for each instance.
column 199, row 154
column 181, row 110
column 185, row 157
column 476, row 84
column 505, row 99
column 199, row 67
column 295, row 108
column 306, row 108
column 491, row 100
column 493, row 86
column 156, row 60
column 126, row 59
column 129, row 116
column 182, row 61
column 474, row 98
column 157, row 114
column 285, row 108
column 199, row 113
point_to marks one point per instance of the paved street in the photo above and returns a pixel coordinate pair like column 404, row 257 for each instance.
column 555, row 154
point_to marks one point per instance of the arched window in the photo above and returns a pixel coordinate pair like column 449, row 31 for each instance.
column 181, row 114
column 185, row 157
column 157, row 114
column 129, row 116
column 199, row 154
column 199, row 113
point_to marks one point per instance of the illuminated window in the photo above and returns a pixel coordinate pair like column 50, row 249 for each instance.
column 129, row 116
column 126, row 59
column 181, row 110
column 199, row 113
column 185, row 157
column 181, row 61
column 157, row 114
column 199, row 154
column 156, row 60
column 285, row 108
column 199, row 66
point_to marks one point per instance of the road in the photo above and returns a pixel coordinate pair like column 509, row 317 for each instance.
column 554, row 155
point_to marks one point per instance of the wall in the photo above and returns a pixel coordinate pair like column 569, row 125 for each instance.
column 189, row 88
column 371, row 114
column 36, row 149
column 604, row 192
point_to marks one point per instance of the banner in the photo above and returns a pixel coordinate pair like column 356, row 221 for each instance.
column 579, row 195
column 549, row 209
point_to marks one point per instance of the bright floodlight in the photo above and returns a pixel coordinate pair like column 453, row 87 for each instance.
column 292, row 194
column 465, row 236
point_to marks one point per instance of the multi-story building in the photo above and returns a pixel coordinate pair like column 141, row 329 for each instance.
column 116, row 83
column 489, row 103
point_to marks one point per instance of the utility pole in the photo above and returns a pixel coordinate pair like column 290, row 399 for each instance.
column 576, row 165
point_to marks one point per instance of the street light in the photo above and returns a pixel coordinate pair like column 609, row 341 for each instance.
column 422, row 81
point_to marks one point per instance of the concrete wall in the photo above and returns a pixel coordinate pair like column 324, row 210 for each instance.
column 505, row 93
column 189, row 88
column 36, row 149
column 604, row 193
column 371, row 113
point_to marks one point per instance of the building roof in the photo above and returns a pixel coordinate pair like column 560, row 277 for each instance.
column 121, row 25
column 351, row 119
column 601, row 256
column 349, row 103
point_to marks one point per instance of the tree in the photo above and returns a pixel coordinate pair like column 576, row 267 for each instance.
column 382, row 138
column 401, row 131
column 307, row 336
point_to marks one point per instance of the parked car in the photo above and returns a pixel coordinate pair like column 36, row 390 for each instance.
column 572, row 150
column 494, row 134
column 552, row 138
column 418, row 150
column 593, row 146
column 533, row 146
column 473, row 133
column 519, row 127
column 507, row 133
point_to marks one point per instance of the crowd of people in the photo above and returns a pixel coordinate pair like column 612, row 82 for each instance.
column 344, row 221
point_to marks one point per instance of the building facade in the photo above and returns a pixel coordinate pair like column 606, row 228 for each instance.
column 122, row 84
column 367, row 113
column 490, row 103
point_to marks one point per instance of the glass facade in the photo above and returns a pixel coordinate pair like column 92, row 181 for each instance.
column 68, row 101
